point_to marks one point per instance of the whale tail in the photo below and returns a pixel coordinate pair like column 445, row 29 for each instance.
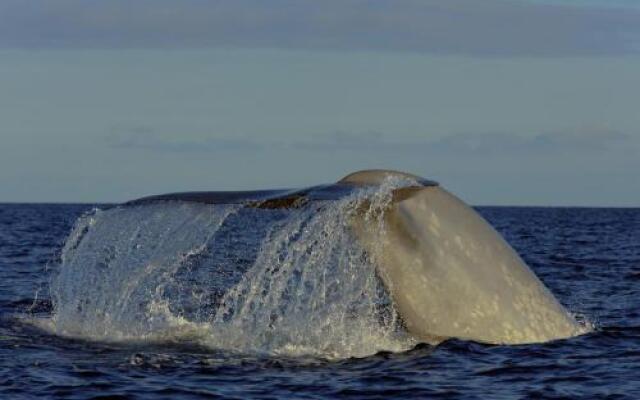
column 449, row 273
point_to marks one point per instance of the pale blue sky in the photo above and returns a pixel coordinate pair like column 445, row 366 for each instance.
column 514, row 102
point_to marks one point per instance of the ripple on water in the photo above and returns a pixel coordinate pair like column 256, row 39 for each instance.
column 600, row 364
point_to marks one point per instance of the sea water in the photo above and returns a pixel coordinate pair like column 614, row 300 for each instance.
column 200, row 301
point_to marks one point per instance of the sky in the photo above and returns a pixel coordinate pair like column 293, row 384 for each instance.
column 504, row 102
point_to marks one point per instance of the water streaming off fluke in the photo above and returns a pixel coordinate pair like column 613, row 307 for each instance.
column 379, row 261
column 291, row 280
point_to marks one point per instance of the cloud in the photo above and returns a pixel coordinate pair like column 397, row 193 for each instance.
column 142, row 138
column 543, row 144
column 480, row 144
column 344, row 141
column 468, row 27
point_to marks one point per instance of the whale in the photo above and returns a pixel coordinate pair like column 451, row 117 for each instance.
column 449, row 273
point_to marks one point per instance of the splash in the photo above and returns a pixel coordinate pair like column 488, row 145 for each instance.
column 118, row 263
column 287, row 282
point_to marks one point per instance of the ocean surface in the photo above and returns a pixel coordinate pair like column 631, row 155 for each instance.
column 161, row 312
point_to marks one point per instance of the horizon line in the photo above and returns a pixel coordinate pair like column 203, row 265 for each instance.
column 109, row 203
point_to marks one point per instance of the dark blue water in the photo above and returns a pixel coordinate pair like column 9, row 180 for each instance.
column 589, row 258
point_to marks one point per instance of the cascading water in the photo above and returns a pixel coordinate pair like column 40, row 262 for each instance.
column 117, row 265
column 283, row 281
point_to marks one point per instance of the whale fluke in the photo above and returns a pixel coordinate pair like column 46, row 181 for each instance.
column 449, row 273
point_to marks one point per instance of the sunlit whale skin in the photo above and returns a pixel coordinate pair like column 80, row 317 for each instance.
column 450, row 274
